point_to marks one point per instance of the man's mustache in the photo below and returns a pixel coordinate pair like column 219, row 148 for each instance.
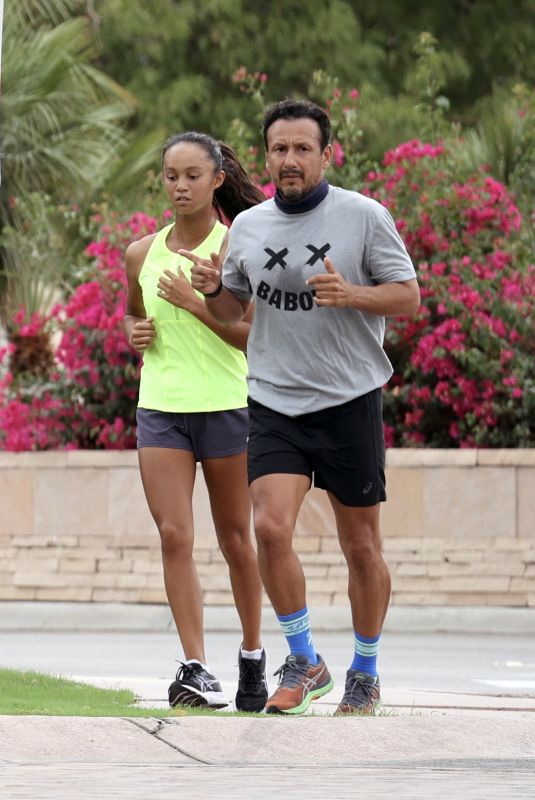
column 291, row 174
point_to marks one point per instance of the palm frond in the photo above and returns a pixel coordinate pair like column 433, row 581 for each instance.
column 35, row 11
column 61, row 117
column 129, row 169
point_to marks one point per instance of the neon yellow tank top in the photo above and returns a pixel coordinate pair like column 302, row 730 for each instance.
column 188, row 368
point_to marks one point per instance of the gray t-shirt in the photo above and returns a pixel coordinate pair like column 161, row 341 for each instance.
column 303, row 357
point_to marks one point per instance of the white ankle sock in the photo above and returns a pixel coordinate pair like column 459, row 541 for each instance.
column 196, row 661
column 253, row 655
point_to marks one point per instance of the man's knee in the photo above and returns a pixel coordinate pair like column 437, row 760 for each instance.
column 362, row 548
column 273, row 532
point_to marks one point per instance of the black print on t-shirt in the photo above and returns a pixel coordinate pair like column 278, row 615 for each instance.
column 286, row 301
column 318, row 253
column 276, row 258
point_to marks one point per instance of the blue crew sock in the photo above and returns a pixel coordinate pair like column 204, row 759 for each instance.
column 296, row 628
column 365, row 658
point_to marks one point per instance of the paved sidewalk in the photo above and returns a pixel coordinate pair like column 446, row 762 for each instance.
column 200, row 757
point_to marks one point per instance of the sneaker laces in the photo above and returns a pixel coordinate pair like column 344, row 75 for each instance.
column 187, row 671
column 359, row 690
column 291, row 673
column 250, row 673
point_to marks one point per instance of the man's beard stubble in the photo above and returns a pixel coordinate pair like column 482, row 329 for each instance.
column 292, row 194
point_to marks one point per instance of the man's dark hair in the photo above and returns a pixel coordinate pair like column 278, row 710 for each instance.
column 298, row 109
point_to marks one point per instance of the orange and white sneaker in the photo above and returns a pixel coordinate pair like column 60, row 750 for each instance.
column 300, row 682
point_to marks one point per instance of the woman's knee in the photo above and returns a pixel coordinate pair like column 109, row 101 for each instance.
column 235, row 545
column 176, row 540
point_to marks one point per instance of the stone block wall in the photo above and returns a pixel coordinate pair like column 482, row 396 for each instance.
column 458, row 529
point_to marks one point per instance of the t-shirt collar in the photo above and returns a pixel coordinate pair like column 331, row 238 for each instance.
column 306, row 203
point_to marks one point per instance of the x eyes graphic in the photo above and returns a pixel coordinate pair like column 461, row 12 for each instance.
column 318, row 254
column 276, row 258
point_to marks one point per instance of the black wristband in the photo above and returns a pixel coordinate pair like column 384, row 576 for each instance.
column 217, row 291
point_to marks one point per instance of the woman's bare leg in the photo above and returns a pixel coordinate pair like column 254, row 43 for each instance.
column 168, row 477
column 226, row 479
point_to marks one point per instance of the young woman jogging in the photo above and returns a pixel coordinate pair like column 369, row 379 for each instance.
column 193, row 408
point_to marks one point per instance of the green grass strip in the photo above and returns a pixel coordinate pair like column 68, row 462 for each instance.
column 40, row 694
column 49, row 695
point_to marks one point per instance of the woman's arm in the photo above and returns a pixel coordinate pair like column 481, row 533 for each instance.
column 139, row 328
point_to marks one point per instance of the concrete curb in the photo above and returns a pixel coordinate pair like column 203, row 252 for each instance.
column 403, row 741
column 132, row 617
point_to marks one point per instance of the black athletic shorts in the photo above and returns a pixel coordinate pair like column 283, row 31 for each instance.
column 342, row 448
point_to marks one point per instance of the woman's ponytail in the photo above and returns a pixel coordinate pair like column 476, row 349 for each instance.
column 238, row 191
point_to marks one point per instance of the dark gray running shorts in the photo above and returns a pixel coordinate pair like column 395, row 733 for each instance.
column 211, row 434
column 341, row 448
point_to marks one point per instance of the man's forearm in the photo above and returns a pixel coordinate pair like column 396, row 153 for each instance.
column 226, row 308
column 387, row 299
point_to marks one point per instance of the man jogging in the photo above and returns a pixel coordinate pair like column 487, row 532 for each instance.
column 324, row 266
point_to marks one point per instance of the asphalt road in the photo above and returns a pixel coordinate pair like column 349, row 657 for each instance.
column 460, row 663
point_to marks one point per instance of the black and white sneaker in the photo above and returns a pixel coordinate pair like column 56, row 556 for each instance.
column 194, row 687
column 252, row 691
